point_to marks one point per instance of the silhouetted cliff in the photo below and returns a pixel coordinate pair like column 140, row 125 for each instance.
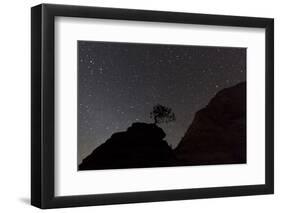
column 217, row 134
column 142, row 145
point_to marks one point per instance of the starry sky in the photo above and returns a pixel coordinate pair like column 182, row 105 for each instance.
column 119, row 83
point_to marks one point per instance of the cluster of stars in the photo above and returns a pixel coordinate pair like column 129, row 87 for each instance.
column 119, row 83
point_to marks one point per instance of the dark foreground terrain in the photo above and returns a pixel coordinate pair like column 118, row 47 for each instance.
column 217, row 135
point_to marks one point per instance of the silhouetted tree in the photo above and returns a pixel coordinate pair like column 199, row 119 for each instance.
column 162, row 114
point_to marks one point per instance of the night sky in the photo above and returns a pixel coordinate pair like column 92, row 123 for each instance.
column 119, row 83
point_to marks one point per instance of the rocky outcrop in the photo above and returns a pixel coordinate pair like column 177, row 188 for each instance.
column 142, row 145
column 217, row 134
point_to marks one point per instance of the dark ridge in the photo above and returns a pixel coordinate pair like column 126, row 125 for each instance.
column 217, row 135
column 142, row 145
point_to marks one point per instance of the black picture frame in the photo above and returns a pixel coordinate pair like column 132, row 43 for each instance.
column 43, row 102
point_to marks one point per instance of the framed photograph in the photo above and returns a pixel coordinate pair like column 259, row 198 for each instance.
column 140, row 106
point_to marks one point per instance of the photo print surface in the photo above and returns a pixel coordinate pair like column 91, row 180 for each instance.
column 159, row 105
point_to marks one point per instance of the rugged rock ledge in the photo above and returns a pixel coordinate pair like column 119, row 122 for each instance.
column 217, row 134
column 142, row 145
